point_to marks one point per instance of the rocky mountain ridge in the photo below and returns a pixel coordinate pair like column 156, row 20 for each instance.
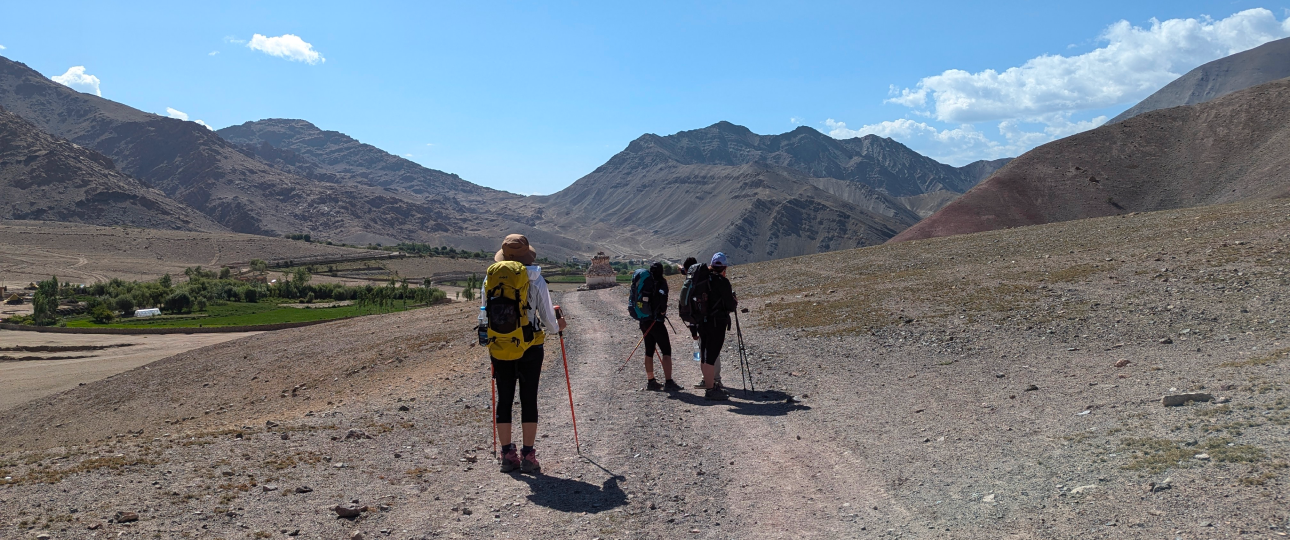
column 47, row 178
column 1230, row 149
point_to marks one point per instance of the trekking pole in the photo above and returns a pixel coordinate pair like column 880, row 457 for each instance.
column 638, row 344
column 744, row 366
column 577, row 445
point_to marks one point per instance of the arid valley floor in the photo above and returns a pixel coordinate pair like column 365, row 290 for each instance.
column 963, row 387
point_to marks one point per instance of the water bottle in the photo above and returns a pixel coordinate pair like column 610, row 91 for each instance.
column 483, row 327
column 697, row 356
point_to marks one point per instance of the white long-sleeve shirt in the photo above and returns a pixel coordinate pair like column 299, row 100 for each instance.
column 539, row 300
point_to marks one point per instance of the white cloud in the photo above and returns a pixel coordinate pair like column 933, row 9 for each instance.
column 957, row 146
column 288, row 46
column 429, row 144
column 181, row 115
column 2, row 47
column 796, row 120
column 407, row 155
column 78, row 80
column 1038, row 101
column 1134, row 62
column 234, row 40
column 212, row 53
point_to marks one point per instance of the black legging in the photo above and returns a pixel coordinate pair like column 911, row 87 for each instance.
column 527, row 370
column 656, row 336
column 711, row 339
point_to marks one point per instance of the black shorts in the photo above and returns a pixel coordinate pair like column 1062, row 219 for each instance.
column 656, row 336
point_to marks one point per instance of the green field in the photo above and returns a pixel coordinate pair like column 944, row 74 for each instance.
column 237, row 314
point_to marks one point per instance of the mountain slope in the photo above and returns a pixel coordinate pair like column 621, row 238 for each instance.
column 1262, row 64
column 881, row 163
column 50, row 179
column 1230, row 149
column 241, row 192
column 646, row 205
column 348, row 159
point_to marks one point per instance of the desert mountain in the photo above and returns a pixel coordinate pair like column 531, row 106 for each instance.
column 50, row 179
column 1262, row 64
column 643, row 203
column 232, row 186
column 304, row 149
column 1230, row 149
column 757, row 197
column 887, row 166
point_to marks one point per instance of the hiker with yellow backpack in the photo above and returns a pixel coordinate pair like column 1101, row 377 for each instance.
column 516, row 308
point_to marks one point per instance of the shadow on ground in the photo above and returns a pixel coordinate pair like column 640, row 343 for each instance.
column 752, row 403
column 569, row 495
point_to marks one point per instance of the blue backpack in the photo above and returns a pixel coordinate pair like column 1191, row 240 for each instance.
column 638, row 306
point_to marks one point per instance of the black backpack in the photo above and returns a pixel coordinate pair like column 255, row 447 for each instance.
column 693, row 307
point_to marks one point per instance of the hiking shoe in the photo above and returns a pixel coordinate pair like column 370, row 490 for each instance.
column 671, row 386
column 699, row 384
column 653, row 385
column 530, row 463
column 715, row 394
column 510, row 459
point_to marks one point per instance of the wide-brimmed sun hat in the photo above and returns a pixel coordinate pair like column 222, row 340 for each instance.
column 516, row 248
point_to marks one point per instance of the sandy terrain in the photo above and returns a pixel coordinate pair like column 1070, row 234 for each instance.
column 81, row 358
column 34, row 250
column 963, row 387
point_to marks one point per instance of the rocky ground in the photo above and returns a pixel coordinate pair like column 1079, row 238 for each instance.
column 953, row 388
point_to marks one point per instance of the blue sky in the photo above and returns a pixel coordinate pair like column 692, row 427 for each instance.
column 528, row 98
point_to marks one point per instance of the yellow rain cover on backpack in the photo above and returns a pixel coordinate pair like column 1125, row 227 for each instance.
column 510, row 332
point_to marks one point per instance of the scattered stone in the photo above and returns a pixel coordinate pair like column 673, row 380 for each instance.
column 988, row 498
column 404, row 408
column 1157, row 487
column 1182, row 399
column 1201, row 457
column 356, row 535
column 1000, row 375
column 43, row 536
column 1122, row 363
column 270, row 424
column 356, row 434
column 1083, row 412
column 269, row 487
column 1166, row 341
column 792, row 399
column 1032, row 388
column 304, row 489
column 1082, row 489
column 126, row 517
column 1223, row 400
column 95, row 527
column 348, row 510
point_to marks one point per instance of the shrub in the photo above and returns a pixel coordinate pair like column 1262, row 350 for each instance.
column 200, row 304
column 309, row 299
column 165, row 281
column 225, row 273
column 101, row 314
